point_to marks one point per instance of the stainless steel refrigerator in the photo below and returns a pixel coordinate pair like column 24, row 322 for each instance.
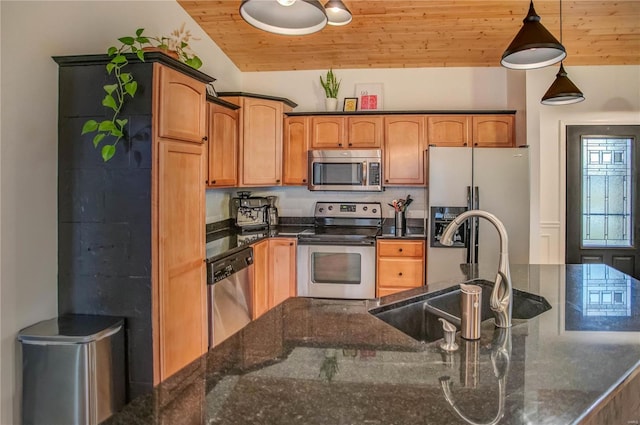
column 491, row 179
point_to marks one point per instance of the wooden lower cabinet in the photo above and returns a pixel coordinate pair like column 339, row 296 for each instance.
column 274, row 273
column 400, row 265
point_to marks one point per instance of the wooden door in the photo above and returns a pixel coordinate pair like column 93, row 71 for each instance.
column 448, row 130
column 404, row 150
column 180, row 239
column 364, row 132
column 222, row 146
column 261, row 145
column 296, row 145
column 603, row 206
column 282, row 264
column 328, row 132
column 260, row 279
column 181, row 105
column 493, row 131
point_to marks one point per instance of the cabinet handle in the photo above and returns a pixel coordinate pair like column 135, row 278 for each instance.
column 304, row 180
column 399, row 249
column 475, row 144
column 350, row 144
column 400, row 274
column 339, row 144
column 290, row 243
column 213, row 182
column 204, row 139
column 206, row 182
column 386, row 180
column 464, row 144
column 278, row 181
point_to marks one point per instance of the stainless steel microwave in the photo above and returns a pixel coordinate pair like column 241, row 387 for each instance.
column 348, row 170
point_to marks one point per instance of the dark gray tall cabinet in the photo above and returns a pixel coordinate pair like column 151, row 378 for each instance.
column 111, row 215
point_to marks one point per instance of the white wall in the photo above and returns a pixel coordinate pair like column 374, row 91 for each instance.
column 404, row 89
column 32, row 32
column 612, row 97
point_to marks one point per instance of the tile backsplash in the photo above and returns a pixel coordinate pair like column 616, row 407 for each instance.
column 300, row 202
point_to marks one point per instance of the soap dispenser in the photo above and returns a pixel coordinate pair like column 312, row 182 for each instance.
column 449, row 342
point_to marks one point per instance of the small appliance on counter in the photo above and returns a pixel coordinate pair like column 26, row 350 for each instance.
column 272, row 211
column 249, row 212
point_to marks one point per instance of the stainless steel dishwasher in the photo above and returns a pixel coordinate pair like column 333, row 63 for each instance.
column 229, row 294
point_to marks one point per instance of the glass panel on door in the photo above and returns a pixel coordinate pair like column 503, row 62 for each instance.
column 339, row 268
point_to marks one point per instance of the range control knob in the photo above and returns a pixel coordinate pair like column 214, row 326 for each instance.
column 320, row 209
column 330, row 207
column 374, row 210
column 365, row 208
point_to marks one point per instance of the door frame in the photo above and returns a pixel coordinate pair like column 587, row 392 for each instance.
column 562, row 240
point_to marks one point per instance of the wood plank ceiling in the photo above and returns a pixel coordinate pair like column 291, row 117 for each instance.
column 426, row 33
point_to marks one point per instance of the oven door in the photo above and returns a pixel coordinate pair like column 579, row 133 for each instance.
column 337, row 271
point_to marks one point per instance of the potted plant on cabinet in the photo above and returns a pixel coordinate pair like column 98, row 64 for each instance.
column 331, row 86
column 111, row 131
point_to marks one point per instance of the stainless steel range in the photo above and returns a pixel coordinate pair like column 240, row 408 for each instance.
column 337, row 259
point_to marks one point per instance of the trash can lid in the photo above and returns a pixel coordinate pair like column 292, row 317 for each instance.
column 71, row 329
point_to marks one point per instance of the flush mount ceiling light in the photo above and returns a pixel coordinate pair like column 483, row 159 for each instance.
column 562, row 91
column 285, row 17
column 533, row 46
column 337, row 13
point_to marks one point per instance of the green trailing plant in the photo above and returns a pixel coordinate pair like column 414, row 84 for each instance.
column 109, row 132
column 331, row 85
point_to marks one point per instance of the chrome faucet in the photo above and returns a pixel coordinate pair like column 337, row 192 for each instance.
column 502, row 293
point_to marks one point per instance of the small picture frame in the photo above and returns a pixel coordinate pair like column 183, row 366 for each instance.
column 350, row 104
column 369, row 96
column 211, row 91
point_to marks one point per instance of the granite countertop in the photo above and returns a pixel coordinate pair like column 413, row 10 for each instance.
column 316, row 361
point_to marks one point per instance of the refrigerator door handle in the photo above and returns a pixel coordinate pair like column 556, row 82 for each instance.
column 476, row 198
column 476, row 225
column 468, row 227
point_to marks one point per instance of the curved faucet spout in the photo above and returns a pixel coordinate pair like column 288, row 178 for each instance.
column 501, row 295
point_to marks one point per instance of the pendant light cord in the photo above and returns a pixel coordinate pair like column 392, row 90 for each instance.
column 560, row 21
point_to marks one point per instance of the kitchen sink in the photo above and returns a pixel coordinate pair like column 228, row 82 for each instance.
column 418, row 317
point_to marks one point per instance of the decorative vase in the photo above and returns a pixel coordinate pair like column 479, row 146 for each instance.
column 331, row 104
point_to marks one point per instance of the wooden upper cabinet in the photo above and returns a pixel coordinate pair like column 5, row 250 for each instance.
column 364, row 132
column 495, row 131
column 222, row 146
column 296, row 146
column 404, row 150
column 260, row 142
column 448, row 130
column 328, row 132
column 180, row 297
column 181, row 105
column 341, row 132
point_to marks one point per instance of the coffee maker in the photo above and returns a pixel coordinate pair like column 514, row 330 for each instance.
column 249, row 212
column 272, row 211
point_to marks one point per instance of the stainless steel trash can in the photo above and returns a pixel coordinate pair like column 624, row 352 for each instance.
column 72, row 370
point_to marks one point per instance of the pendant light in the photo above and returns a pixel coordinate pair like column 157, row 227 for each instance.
column 337, row 13
column 533, row 46
column 285, row 17
column 562, row 91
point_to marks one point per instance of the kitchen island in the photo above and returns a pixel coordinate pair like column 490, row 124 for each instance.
column 313, row 361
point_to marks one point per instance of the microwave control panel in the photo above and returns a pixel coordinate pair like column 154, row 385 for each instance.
column 374, row 174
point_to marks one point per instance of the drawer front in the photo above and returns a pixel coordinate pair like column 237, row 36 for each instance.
column 406, row 273
column 401, row 248
column 384, row 291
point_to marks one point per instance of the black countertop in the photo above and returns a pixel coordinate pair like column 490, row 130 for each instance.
column 313, row 361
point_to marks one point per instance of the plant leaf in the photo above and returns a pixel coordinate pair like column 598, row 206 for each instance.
column 112, row 51
column 131, row 88
column 142, row 40
column 194, row 62
column 127, row 40
column 110, row 102
column 106, row 125
column 139, row 32
column 110, row 67
column 98, row 139
column 107, row 152
column 125, row 77
column 89, row 126
column 119, row 59
column 122, row 123
column 117, row 133
column 140, row 54
column 109, row 88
